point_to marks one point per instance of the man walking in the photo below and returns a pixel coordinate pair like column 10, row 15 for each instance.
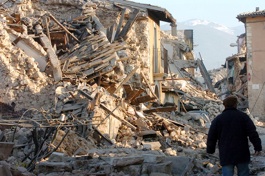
column 231, row 129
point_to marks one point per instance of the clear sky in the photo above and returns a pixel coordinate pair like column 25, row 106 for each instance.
column 221, row 11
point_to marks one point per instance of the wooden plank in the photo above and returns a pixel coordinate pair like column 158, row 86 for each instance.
column 65, row 66
column 142, row 99
column 120, row 23
column 56, row 66
column 98, row 74
column 99, row 26
column 47, row 21
column 16, row 40
column 87, row 65
column 100, row 67
column 161, row 109
column 109, row 111
column 136, row 95
column 112, row 32
column 187, row 79
column 60, row 39
column 16, row 27
column 106, row 49
column 126, row 79
column 101, row 54
column 101, row 61
column 66, row 30
column 108, row 34
column 88, row 72
column 149, row 86
column 177, row 123
column 95, row 102
column 129, row 24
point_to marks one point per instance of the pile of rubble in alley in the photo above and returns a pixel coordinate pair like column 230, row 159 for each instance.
column 78, row 101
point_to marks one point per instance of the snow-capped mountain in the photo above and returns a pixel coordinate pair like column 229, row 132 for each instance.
column 211, row 40
column 196, row 22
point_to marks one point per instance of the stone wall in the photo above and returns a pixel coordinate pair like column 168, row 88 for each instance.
column 137, row 40
column 22, row 81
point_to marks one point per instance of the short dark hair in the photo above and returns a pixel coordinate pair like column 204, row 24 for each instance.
column 230, row 101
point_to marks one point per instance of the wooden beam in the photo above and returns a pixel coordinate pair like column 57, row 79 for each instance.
column 46, row 43
column 112, row 33
column 161, row 109
column 47, row 21
column 149, row 86
column 120, row 24
column 109, row 111
column 66, row 30
column 131, row 93
column 142, row 99
column 129, row 24
column 126, row 79
column 99, row 26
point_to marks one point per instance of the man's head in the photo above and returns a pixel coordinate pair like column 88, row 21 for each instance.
column 230, row 102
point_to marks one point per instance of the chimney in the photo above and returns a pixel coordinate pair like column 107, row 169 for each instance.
column 257, row 9
column 173, row 29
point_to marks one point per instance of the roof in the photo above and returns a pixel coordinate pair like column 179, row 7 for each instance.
column 239, row 55
column 244, row 15
column 159, row 12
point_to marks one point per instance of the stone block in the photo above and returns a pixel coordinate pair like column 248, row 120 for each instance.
column 179, row 163
column 48, row 167
column 57, row 157
column 124, row 161
column 164, row 168
column 132, row 170
column 149, row 158
column 151, row 145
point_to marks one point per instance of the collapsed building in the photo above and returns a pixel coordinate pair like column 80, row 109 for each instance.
column 84, row 91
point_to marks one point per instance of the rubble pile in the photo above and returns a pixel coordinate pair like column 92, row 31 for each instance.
column 21, row 77
column 218, row 74
column 76, row 99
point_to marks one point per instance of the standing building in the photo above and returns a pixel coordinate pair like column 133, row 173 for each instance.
column 255, row 56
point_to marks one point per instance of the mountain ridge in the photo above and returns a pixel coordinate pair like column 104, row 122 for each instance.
column 211, row 40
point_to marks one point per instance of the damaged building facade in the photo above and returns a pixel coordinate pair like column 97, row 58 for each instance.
column 244, row 69
column 236, row 66
column 254, row 25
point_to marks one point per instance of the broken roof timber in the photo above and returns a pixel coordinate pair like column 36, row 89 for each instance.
column 161, row 13
column 258, row 13
column 240, row 55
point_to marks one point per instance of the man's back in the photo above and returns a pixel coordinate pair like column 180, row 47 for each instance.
column 231, row 129
column 233, row 142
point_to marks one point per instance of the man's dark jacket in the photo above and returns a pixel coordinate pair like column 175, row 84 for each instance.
column 231, row 129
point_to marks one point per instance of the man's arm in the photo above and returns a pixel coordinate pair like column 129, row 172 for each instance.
column 253, row 135
column 212, row 137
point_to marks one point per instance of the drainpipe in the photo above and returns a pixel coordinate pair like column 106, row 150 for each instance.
column 173, row 29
